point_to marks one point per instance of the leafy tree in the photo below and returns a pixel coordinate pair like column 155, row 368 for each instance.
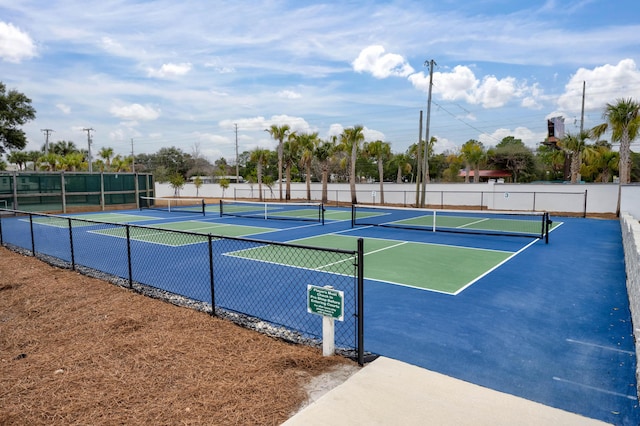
column 173, row 159
column 3, row 165
column 279, row 133
column 350, row 141
column 197, row 182
column 623, row 118
column 512, row 154
column 73, row 161
column 224, row 184
column 176, row 181
column 381, row 152
column 15, row 111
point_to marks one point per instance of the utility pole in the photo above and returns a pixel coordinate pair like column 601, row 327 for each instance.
column 237, row 166
column 46, row 139
column 419, row 162
column 425, row 160
column 89, row 130
column 133, row 159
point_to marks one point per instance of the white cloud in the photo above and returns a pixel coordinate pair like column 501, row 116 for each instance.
column 135, row 112
column 490, row 92
column 289, row 94
column 64, row 108
column 296, row 124
column 529, row 138
column 15, row 45
column 170, row 70
column 603, row 85
column 372, row 59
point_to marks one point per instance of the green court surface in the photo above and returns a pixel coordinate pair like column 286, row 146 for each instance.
column 157, row 236
column 441, row 268
column 114, row 217
column 337, row 215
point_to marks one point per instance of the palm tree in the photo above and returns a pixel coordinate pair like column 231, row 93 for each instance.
column 106, row 154
column 574, row 144
column 380, row 151
column 307, row 144
column 350, row 140
column 289, row 158
column 473, row 153
column 323, row 153
column 18, row 158
column 63, row 148
column 624, row 119
column 602, row 160
column 403, row 163
column 260, row 157
column 279, row 133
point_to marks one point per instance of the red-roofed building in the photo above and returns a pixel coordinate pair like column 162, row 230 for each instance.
column 485, row 175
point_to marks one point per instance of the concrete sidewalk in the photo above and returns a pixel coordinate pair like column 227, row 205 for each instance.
column 390, row 392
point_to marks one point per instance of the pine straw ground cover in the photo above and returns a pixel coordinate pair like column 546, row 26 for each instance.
column 77, row 350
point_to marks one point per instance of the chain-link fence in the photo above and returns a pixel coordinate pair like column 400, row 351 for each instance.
column 259, row 284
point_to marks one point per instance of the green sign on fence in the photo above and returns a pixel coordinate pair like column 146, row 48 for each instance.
column 325, row 301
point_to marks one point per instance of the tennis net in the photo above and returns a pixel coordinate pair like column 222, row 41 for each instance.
column 186, row 205
column 267, row 210
column 525, row 224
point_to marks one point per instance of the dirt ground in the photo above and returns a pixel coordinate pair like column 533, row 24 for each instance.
column 77, row 350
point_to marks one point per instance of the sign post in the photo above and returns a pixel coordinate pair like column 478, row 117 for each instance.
column 329, row 303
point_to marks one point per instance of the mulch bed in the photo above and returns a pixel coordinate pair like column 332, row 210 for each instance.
column 78, row 350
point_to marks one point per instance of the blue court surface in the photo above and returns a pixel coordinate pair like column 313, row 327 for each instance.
column 546, row 322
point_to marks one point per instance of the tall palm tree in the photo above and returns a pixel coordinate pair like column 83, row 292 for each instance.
column 260, row 157
column 624, row 119
column 350, row 141
column 323, row 153
column 307, row 144
column 380, row 151
column 18, row 158
column 603, row 160
column 574, row 144
column 289, row 158
column 106, row 154
column 279, row 133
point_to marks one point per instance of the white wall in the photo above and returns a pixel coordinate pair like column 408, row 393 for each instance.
column 600, row 198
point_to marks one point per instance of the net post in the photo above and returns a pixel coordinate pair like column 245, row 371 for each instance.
column 73, row 257
column 204, row 208
column 434, row 221
column 547, row 221
column 33, row 240
column 220, row 207
column 322, row 210
column 360, row 283
column 353, row 215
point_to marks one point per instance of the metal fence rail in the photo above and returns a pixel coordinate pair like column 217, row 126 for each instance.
column 259, row 284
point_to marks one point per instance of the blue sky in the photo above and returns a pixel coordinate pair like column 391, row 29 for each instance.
column 184, row 74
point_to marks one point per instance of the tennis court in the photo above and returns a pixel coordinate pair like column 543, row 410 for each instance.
column 547, row 322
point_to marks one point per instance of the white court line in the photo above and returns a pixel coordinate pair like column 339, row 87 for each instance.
column 595, row 345
column 608, row 392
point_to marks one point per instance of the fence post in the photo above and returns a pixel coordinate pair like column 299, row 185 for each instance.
column 63, row 192
column 360, row 281
column 33, row 240
column 213, row 297
column 584, row 213
column 129, row 257
column 73, row 258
